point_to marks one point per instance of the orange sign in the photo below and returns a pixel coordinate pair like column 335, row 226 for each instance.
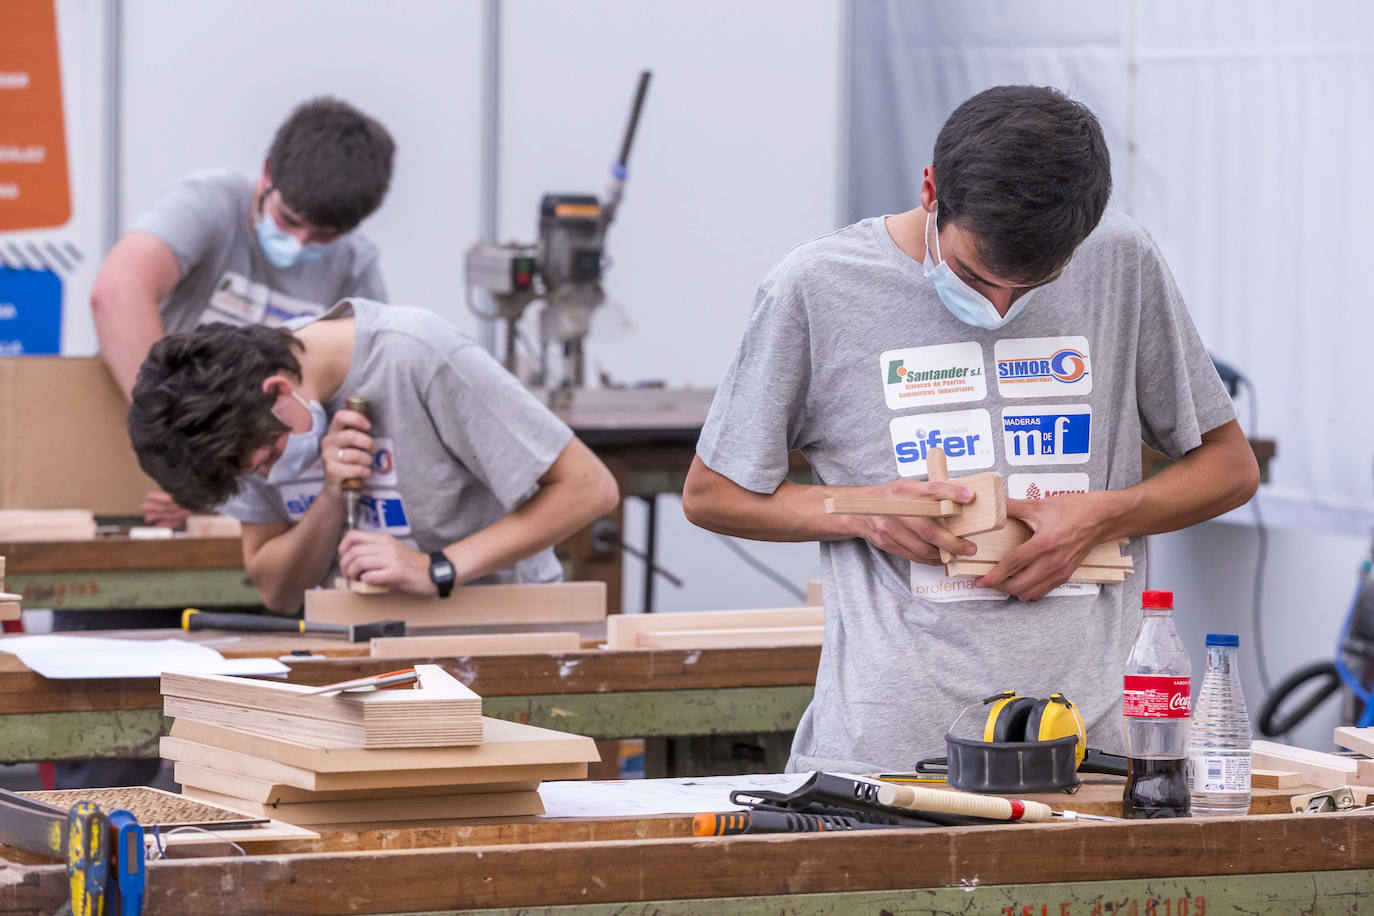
column 34, row 189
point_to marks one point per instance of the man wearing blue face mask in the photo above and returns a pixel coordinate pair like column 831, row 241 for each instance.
column 1020, row 325
column 222, row 247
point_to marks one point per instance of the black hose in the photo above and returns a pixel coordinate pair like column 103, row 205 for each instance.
column 1324, row 671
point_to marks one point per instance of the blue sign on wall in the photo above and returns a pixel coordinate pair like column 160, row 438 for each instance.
column 30, row 312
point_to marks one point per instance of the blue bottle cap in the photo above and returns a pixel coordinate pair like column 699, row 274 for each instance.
column 1222, row 639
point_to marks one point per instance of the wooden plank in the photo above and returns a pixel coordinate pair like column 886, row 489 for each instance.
column 503, row 744
column 266, row 792
column 747, row 636
column 1275, row 779
column 993, row 545
column 900, row 508
column 474, row 605
column 813, row 593
column 390, row 810
column 474, row 644
column 213, row 526
column 181, row 750
column 1097, row 574
column 1318, row 769
column 9, row 610
column 623, row 630
column 1356, row 739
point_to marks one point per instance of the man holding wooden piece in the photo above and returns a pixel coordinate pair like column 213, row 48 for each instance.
column 1017, row 325
column 466, row 477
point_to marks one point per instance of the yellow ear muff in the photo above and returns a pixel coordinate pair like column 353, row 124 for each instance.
column 1056, row 718
column 1007, row 719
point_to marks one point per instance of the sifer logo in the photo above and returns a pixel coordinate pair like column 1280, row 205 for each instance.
column 1066, row 365
column 919, row 449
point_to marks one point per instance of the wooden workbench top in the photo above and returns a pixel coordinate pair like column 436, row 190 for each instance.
column 581, row 672
column 533, row 863
column 121, row 553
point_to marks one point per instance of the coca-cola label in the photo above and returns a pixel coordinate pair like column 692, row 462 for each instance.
column 1155, row 696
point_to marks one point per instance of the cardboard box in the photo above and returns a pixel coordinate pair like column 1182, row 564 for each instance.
column 63, row 441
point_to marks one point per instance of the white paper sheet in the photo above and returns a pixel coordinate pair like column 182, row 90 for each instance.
column 643, row 797
column 65, row 657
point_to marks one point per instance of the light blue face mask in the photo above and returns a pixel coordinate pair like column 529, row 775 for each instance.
column 963, row 301
column 282, row 248
column 302, row 449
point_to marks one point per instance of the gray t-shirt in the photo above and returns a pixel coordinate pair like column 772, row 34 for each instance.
column 458, row 441
column 207, row 221
column 850, row 357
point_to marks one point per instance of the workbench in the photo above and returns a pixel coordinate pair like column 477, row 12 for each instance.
column 1265, row 863
column 598, row 693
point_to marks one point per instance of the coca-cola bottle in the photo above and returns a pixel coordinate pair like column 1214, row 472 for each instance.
column 1155, row 721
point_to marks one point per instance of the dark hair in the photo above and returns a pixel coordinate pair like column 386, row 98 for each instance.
column 198, row 410
column 331, row 163
column 1025, row 171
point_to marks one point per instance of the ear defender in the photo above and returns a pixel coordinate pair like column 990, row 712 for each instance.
column 1056, row 718
column 1007, row 717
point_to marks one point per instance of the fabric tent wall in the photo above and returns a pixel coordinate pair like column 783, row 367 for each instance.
column 1238, row 134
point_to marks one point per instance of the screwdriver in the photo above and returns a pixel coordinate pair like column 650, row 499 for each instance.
column 730, row 823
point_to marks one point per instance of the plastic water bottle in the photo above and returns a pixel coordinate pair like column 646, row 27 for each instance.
column 1155, row 694
column 1219, row 749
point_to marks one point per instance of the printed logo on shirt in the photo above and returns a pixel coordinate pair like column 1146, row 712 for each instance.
column 1060, row 434
column 241, row 301
column 382, row 510
column 383, row 463
column 942, row 374
column 965, row 436
column 1039, row 367
column 1043, row 486
column 298, row 496
column 931, row 583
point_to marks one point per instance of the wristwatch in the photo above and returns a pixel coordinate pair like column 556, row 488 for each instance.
column 442, row 573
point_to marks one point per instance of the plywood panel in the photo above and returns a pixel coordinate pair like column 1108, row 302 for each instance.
column 475, row 605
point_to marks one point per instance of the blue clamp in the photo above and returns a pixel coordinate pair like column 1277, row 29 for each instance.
column 129, row 862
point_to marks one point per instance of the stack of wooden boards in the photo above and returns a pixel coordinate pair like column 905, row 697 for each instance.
column 716, row 629
column 276, row 750
column 1318, row 769
column 984, row 522
column 46, row 525
column 9, row 602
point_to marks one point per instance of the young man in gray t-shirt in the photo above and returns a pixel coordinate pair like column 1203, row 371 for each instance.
column 219, row 246
column 460, row 464
column 1010, row 321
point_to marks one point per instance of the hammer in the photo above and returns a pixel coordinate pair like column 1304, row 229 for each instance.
column 192, row 619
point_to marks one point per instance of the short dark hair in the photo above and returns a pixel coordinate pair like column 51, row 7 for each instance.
column 198, row 409
column 331, row 163
column 1025, row 170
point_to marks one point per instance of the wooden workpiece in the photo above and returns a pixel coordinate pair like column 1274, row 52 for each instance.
column 729, row 638
column 213, row 526
column 987, row 511
column 626, row 631
column 473, row 644
column 9, row 602
column 1318, row 769
column 471, row 605
column 47, row 525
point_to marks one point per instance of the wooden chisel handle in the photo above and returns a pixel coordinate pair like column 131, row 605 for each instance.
column 945, row 801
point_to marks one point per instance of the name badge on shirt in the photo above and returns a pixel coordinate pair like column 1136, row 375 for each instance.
column 241, row 301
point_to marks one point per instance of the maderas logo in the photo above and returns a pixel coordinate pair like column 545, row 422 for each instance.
column 1066, row 365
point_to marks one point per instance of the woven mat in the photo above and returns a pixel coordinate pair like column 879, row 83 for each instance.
column 151, row 806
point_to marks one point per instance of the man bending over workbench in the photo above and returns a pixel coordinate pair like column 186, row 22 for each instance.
column 1012, row 322
column 460, row 464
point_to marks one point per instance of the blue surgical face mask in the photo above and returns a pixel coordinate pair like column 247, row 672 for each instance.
column 302, row 449
column 963, row 301
column 282, row 248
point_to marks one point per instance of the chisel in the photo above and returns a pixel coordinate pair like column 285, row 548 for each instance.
column 353, row 487
column 730, row 823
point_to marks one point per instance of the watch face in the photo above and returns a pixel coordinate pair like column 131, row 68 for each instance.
column 442, row 570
